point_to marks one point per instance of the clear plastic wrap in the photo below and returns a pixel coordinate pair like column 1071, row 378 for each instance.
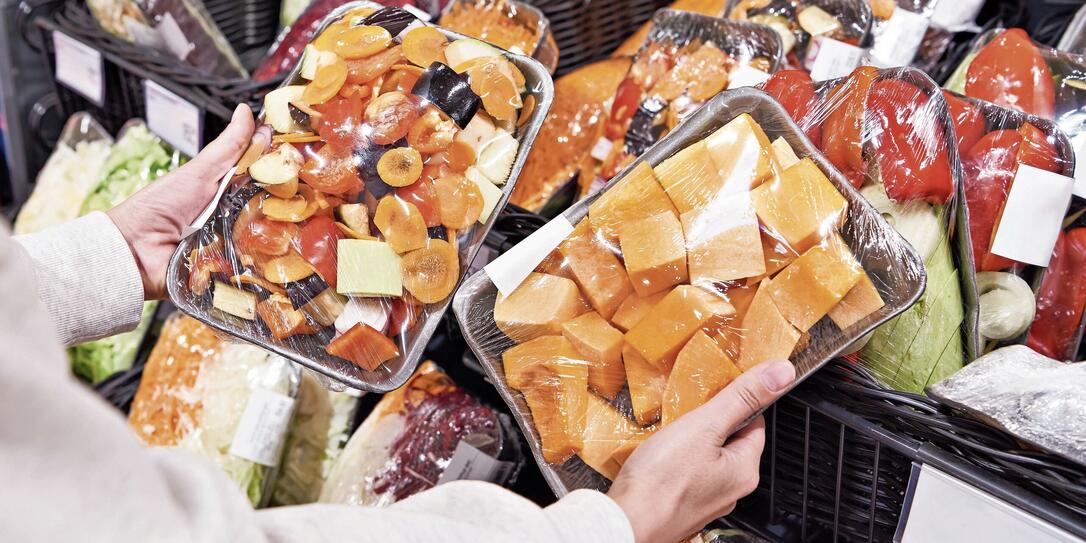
column 686, row 60
column 515, row 26
column 898, row 31
column 338, row 243
column 889, row 132
column 228, row 402
column 710, row 8
column 72, row 171
column 716, row 251
column 1074, row 36
column 1036, row 399
column 408, row 442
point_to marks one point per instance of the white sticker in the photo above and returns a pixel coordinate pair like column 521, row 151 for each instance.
column 263, row 427
column 746, row 76
column 509, row 270
column 957, row 15
column 899, row 38
column 174, row 37
column 1032, row 216
column 471, row 464
column 1080, row 167
column 205, row 215
column 942, row 508
column 827, row 58
column 79, row 67
column 173, row 118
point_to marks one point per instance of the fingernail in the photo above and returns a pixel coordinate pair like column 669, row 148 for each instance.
column 777, row 375
column 238, row 110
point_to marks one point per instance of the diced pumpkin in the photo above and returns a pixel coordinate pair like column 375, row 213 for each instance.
column 596, row 270
column 365, row 347
column 742, row 154
column 558, row 399
column 606, row 431
column 701, row 370
column 538, row 307
column 519, row 360
column 690, row 178
column 647, row 385
column 631, row 443
column 817, row 281
column 665, row 330
column 728, row 333
column 778, row 254
column 723, row 242
column 767, row 335
column 555, row 442
column 802, row 205
column 635, row 196
column 601, row 345
column 655, row 252
column 861, row 301
column 634, row 308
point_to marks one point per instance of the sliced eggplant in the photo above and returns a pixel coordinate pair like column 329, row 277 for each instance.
column 305, row 290
column 438, row 232
column 366, row 158
column 326, row 307
column 644, row 130
column 392, row 19
column 449, row 91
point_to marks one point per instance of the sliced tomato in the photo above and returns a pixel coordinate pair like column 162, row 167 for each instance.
column 909, row 143
column 422, row 194
column 795, row 91
column 317, row 243
column 331, row 170
column 842, row 140
column 266, row 237
column 968, row 121
column 627, row 100
column 340, row 122
column 1011, row 72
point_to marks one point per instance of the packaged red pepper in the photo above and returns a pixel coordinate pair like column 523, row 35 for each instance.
column 1057, row 328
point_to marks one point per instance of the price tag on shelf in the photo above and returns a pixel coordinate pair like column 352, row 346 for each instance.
column 79, row 67
column 175, row 120
column 828, row 58
column 1032, row 216
column 509, row 270
column 939, row 507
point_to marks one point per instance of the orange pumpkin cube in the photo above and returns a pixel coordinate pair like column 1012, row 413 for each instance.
column 690, row 178
column 767, row 335
column 647, row 385
column 861, row 301
column 665, row 330
column 634, row 308
column 596, row 270
column 742, row 154
column 635, row 196
column 538, row 307
column 816, row 282
column 601, row 345
column 606, row 431
column 655, row 252
column 802, row 205
column 519, row 360
column 701, row 370
column 723, row 241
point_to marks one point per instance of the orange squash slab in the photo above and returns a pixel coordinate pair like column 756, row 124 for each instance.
column 538, row 307
column 802, row 205
column 632, row 442
column 723, row 242
column 519, row 360
column 558, row 399
column 596, row 270
column 701, row 370
column 601, row 345
column 742, row 155
column 606, row 431
column 633, row 309
column 861, row 301
column 690, row 178
column 635, row 196
column 727, row 333
column 818, row 280
column 665, row 330
column 647, row 385
column 767, row 335
column 655, row 253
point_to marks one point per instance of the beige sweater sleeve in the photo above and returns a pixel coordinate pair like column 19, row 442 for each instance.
column 74, row 471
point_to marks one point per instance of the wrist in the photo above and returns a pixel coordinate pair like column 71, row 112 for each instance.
column 133, row 239
column 649, row 513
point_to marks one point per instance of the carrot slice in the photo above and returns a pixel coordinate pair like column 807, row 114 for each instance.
column 424, row 46
column 431, row 273
column 460, row 201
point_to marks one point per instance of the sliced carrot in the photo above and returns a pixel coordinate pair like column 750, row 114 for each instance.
column 424, row 46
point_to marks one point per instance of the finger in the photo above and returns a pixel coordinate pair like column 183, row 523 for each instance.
column 220, row 155
column 747, row 444
column 743, row 398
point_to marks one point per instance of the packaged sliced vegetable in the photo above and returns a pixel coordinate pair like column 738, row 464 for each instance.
column 515, row 26
column 686, row 60
column 889, row 132
column 413, row 438
column 714, row 252
column 228, row 402
column 71, row 172
column 711, row 8
column 825, row 37
column 339, row 242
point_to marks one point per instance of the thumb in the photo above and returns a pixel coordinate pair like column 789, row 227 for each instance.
column 220, row 155
column 745, row 397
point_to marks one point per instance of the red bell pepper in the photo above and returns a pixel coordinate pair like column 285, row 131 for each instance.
column 365, row 347
column 318, row 244
column 911, row 146
column 1061, row 298
column 1011, row 72
column 843, row 129
column 795, row 91
column 968, row 122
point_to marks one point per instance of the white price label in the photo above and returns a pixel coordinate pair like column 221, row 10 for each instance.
column 828, row 58
column 899, row 38
column 173, row 118
column 1032, row 216
column 509, row 270
column 263, row 427
column 746, row 76
column 1080, row 167
column 942, row 508
column 79, row 67
column 471, row 464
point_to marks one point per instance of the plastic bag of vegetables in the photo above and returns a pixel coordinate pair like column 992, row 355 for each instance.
column 889, row 132
column 229, row 402
column 732, row 241
column 339, row 240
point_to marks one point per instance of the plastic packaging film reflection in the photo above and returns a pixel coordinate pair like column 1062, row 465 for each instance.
column 729, row 243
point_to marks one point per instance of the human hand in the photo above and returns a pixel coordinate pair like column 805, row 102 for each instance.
column 695, row 469
column 152, row 220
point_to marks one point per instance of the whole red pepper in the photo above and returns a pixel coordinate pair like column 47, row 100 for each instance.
column 911, row 147
column 1061, row 298
column 843, row 128
column 1011, row 72
column 795, row 91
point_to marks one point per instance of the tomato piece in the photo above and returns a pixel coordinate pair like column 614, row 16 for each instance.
column 909, row 144
column 1061, row 298
column 1010, row 71
column 267, row 237
column 627, row 99
column 317, row 243
column 331, row 170
column 340, row 123
column 365, row 347
column 208, row 261
column 403, row 315
column 422, row 194
column 842, row 140
column 968, row 121
column 795, row 91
